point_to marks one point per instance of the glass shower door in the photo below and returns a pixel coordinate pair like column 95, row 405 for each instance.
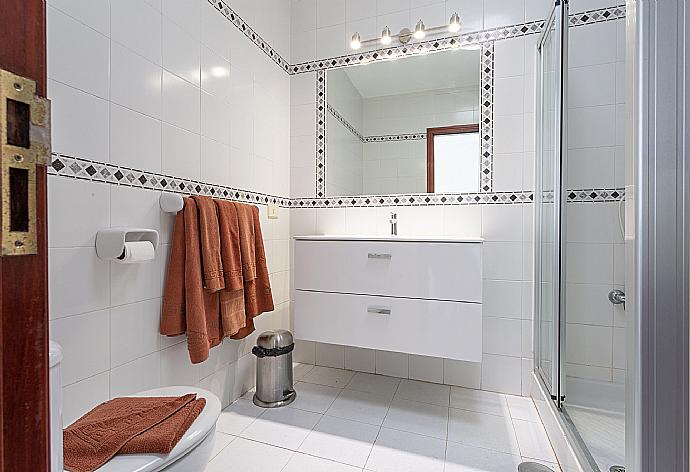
column 549, row 253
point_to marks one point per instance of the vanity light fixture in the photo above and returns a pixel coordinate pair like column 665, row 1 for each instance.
column 455, row 23
column 386, row 37
column 356, row 41
column 419, row 30
column 405, row 35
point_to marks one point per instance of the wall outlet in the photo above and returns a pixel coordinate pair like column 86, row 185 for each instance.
column 273, row 211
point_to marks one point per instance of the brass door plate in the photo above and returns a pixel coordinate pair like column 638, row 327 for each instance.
column 24, row 144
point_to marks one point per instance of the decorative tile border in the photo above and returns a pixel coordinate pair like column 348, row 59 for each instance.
column 452, row 42
column 344, row 122
column 249, row 32
column 424, row 47
column 453, row 199
column 84, row 169
column 372, row 139
column 486, row 80
column 487, row 115
column 395, row 137
column 321, row 133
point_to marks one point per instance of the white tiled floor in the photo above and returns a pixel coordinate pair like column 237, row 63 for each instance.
column 343, row 421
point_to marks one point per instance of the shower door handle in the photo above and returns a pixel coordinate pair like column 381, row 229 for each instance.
column 617, row 297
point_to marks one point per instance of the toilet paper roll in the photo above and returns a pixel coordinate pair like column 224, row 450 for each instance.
column 137, row 251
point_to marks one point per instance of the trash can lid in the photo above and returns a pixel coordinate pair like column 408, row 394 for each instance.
column 274, row 339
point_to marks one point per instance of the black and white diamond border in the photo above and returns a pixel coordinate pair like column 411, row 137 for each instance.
column 321, row 133
column 84, row 169
column 249, row 32
column 424, row 47
column 336, row 114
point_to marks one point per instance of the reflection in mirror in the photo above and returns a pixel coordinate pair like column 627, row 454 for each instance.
column 404, row 126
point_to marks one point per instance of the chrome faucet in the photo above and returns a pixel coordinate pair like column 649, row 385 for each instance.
column 394, row 224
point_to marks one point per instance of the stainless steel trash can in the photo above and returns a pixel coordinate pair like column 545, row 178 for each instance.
column 273, row 353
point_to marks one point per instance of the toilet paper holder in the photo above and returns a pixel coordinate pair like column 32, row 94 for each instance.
column 110, row 243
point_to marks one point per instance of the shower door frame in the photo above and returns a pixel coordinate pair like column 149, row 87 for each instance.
column 558, row 18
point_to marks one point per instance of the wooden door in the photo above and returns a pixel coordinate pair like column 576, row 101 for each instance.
column 24, row 436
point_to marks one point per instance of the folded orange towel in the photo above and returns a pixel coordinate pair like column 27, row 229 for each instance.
column 130, row 425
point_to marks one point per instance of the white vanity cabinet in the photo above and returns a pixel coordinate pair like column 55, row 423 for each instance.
column 414, row 295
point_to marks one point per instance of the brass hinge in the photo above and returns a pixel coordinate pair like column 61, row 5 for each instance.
column 24, row 144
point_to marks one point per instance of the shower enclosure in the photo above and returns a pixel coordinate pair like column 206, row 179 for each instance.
column 576, row 242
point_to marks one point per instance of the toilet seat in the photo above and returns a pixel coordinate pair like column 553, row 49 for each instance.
column 197, row 432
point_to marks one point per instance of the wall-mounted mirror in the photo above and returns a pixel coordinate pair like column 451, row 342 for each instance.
column 404, row 126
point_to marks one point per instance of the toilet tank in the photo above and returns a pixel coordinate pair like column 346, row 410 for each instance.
column 55, row 358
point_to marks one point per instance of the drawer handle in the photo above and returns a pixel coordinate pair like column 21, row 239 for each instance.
column 376, row 255
column 379, row 311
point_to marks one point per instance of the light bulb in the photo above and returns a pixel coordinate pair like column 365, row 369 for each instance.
column 455, row 23
column 356, row 42
column 419, row 31
column 386, row 36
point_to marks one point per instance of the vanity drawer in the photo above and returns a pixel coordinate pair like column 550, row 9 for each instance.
column 451, row 330
column 439, row 271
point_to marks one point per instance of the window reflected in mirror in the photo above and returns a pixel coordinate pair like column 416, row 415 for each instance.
column 389, row 125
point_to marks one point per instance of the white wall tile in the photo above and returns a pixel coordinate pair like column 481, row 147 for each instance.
column 502, row 222
column 502, row 260
column 502, row 298
column 501, row 13
column 502, row 374
column 80, row 397
column 394, row 364
column 134, row 331
column 360, row 360
column 330, row 355
column 137, row 26
column 427, row 369
column 136, row 376
column 79, row 122
column 589, row 345
column 176, row 368
column 215, row 162
column 95, row 14
column 81, row 208
column 215, row 118
column 181, row 103
column 215, row 74
column 181, row 54
column 67, row 39
column 135, row 139
column 85, row 342
column 78, row 281
column 135, row 82
column 185, row 14
column 329, row 13
column 461, row 373
column 181, row 152
column 502, row 336
column 305, row 352
column 508, row 134
column 592, row 44
column 214, row 31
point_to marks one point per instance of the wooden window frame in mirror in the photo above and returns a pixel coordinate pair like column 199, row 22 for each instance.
column 441, row 130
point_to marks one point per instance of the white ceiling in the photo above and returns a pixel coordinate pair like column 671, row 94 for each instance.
column 443, row 70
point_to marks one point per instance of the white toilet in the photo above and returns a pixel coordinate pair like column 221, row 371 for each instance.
column 192, row 453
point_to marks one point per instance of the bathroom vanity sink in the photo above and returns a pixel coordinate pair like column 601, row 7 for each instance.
column 416, row 295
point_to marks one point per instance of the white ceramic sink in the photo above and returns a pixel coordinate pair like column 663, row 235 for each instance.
column 429, row 239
